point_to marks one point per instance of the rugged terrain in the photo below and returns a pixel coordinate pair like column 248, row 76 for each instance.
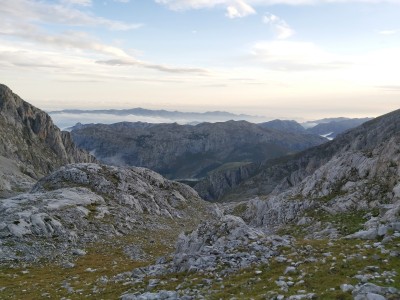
column 85, row 203
column 31, row 142
column 330, row 229
column 187, row 152
column 262, row 178
column 338, row 220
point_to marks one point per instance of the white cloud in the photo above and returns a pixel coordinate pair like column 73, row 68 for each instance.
column 163, row 68
column 78, row 2
column 234, row 8
column 281, row 29
column 37, row 11
column 122, row 1
column 295, row 56
column 242, row 8
column 239, row 9
column 389, row 32
column 23, row 20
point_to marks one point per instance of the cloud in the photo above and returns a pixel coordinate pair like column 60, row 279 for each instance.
column 78, row 2
column 239, row 9
column 242, row 8
column 23, row 20
column 40, row 12
column 68, row 39
column 295, row 56
column 390, row 88
column 122, row 1
column 234, row 8
column 162, row 68
column 280, row 28
column 389, row 32
column 82, row 41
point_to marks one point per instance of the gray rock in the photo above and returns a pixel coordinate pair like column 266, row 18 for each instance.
column 290, row 270
column 78, row 252
column 370, row 234
column 346, row 287
column 69, row 207
column 161, row 295
column 369, row 296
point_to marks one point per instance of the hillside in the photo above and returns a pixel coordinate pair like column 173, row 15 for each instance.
column 332, row 128
column 80, row 218
column 184, row 151
column 333, row 234
column 263, row 178
column 29, row 139
column 81, row 204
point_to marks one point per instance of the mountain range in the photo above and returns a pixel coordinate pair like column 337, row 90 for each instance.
column 186, row 151
column 322, row 223
column 67, row 118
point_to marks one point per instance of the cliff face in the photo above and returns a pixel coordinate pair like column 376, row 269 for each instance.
column 184, row 151
column 29, row 136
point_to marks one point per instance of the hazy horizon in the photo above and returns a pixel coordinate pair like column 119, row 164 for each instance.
column 302, row 60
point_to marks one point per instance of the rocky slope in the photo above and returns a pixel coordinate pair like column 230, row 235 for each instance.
column 30, row 139
column 342, row 211
column 358, row 172
column 263, row 178
column 184, row 151
column 85, row 203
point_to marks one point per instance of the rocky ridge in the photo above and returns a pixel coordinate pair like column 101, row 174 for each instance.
column 30, row 139
column 84, row 203
column 184, row 151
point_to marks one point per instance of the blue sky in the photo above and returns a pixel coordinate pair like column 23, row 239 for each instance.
column 299, row 59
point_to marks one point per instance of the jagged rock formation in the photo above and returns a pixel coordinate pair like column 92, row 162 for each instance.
column 29, row 137
column 184, row 151
column 81, row 203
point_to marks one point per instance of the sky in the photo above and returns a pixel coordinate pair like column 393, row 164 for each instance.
column 293, row 59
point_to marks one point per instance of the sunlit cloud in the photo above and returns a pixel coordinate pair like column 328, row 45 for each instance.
column 239, row 9
column 78, row 2
column 242, row 8
column 389, row 32
column 26, row 11
column 281, row 29
column 294, row 56
column 22, row 19
column 163, row 68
